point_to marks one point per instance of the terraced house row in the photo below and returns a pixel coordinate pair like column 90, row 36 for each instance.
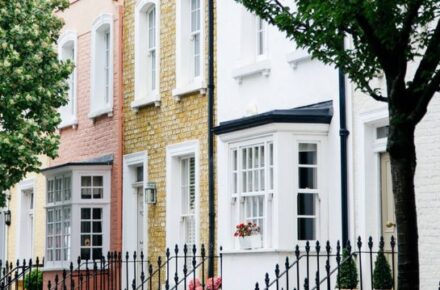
column 187, row 118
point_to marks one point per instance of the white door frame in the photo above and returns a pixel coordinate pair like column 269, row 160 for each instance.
column 129, row 203
column 24, row 186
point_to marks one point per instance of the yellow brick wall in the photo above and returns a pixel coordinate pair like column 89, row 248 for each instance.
column 153, row 128
column 39, row 216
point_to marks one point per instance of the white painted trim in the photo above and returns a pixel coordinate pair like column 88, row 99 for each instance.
column 174, row 153
column 101, row 20
column 260, row 67
column 143, row 97
column 182, row 54
column 298, row 128
column 25, row 185
column 196, row 86
column 298, row 57
column 377, row 117
column 68, row 36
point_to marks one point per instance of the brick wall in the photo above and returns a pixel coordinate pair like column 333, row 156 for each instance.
column 153, row 128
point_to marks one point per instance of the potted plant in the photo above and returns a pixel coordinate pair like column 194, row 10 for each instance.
column 347, row 275
column 249, row 235
column 382, row 278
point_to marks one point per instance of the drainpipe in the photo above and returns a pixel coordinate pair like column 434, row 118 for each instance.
column 211, row 138
column 343, row 133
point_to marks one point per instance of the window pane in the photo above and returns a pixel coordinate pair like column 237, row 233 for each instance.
column 307, row 178
column 85, row 227
column 97, row 253
column 97, row 240
column 85, row 213
column 85, row 240
column 97, row 181
column 85, row 254
column 86, row 181
column 307, row 154
column 382, row 132
column 306, row 204
column 139, row 173
column 97, row 227
column 306, row 229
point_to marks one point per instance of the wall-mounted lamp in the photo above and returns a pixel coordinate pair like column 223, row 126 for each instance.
column 151, row 193
column 7, row 214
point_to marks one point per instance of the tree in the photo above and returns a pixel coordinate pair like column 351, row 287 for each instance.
column 386, row 36
column 32, row 86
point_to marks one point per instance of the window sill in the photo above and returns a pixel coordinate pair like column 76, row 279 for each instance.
column 194, row 86
column 297, row 57
column 142, row 102
column 255, row 251
column 99, row 112
column 258, row 68
column 72, row 122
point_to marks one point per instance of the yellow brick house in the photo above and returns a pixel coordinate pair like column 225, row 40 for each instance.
column 165, row 125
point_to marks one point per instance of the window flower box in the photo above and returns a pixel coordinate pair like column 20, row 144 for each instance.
column 249, row 236
column 251, row 242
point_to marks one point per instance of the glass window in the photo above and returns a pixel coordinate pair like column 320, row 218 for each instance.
column 382, row 132
column 91, row 235
column 58, row 233
column 307, row 194
column 92, row 187
column 151, row 16
column 252, row 180
column 261, row 37
column 195, row 35
column 107, row 65
column 188, row 190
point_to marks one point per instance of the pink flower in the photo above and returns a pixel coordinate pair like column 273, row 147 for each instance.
column 194, row 285
column 214, row 283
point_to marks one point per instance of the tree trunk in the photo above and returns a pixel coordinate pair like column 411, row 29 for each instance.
column 403, row 165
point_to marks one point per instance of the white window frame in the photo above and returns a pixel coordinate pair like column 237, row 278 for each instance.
column 145, row 95
column 238, row 198
column 186, row 81
column 101, row 99
column 175, row 153
column 316, row 192
column 69, row 111
column 261, row 36
column 186, row 214
column 76, row 203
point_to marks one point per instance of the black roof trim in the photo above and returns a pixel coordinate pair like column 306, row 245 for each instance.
column 319, row 113
column 103, row 160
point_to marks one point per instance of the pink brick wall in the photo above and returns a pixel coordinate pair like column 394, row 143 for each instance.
column 102, row 136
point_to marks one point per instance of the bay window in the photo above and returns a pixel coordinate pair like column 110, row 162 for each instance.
column 77, row 214
column 252, row 184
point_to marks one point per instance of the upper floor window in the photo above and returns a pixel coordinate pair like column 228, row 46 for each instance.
column 189, row 47
column 188, row 195
column 260, row 37
column 146, row 53
column 102, row 66
column 67, row 51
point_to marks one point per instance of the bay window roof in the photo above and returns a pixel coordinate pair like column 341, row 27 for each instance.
column 319, row 113
column 102, row 160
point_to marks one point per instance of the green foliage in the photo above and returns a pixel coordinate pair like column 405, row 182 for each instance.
column 32, row 86
column 347, row 275
column 382, row 278
column 34, row 281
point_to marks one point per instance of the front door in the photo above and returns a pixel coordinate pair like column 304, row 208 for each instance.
column 140, row 220
column 387, row 200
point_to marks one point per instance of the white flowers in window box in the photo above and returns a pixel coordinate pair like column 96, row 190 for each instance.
column 249, row 236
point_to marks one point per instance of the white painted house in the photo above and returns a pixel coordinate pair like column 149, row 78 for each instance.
column 278, row 145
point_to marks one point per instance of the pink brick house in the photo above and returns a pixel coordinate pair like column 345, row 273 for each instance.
column 83, row 198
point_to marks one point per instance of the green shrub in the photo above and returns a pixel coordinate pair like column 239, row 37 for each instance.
column 34, row 280
column 347, row 275
column 382, row 278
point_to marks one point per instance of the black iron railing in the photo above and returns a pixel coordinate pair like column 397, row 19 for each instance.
column 134, row 271
column 315, row 268
column 10, row 274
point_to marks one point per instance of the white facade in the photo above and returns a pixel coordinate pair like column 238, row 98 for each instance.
column 259, row 71
column 368, row 115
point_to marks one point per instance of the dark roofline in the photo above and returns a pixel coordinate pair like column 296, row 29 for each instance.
column 105, row 160
column 319, row 113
